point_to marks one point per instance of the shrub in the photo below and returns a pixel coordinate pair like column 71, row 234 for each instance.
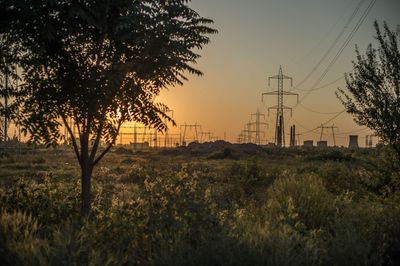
column 170, row 209
column 50, row 201
column 306, row 195
column 19, row 239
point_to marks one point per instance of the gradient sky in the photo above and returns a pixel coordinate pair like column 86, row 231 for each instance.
column 255, row 38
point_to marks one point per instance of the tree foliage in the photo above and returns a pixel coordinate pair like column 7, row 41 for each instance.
column 373, row 88
column 100, row 63
column 8, row 87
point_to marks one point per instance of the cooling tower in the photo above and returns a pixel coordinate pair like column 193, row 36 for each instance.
column 322, row 144
column 308, row 143
column 353, row 141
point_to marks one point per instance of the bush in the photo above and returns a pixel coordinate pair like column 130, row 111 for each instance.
column 321, row 213
column 170, row 210
column 19, row 239
column 51, row 201
column 243, row 180
column 306, row 196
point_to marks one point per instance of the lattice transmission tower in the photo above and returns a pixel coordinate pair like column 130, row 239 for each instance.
column 280, row 124
column 322, row 127
column 258, row 123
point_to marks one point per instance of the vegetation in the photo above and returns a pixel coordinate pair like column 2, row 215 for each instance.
column 8, row 83
column 373, row 95
column 154, row 208
column 93, row 65
column 100, row 64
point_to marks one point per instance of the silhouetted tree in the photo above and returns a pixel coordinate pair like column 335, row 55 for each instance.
column 99, row 63
column 373, row 89
column 8, row 81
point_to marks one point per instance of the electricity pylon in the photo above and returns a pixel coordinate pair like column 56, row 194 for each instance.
column 258, row 125
column 322, row 127
column 208, row 134
column 185, row 127
column 248, row 133
column 280, row 124
column 166, row 135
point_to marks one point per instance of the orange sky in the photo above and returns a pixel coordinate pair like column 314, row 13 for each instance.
column 255, row 38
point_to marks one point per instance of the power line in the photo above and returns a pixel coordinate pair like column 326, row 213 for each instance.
column 333, row 44
column 338, row 54
column 334, row 117
column 303, row 127
column 354, row 131
column 317, row 112
column 323, row 124
column 349, row 38
column 325, row 85
column 325, row 36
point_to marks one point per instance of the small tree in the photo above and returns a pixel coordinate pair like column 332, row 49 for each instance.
column 99, row 63
column 373, row 89
column 8, row 81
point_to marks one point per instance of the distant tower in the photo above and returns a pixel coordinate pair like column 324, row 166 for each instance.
column 280, row 124
column 353, row 141
column 293, row 136
column 258, row 123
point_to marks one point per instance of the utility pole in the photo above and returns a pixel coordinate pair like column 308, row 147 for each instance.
column 167, row 131
column 298, row 138
column 135, row 144
column 322, row 131
column 333, row 134
column 155, row 138
column 280, row 124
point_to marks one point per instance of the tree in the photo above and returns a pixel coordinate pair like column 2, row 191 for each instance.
column 373, row 89
column 8, row 80
column 100, row 63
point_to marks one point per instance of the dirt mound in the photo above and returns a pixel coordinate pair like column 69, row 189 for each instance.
column 215, row 150
column 122, row 150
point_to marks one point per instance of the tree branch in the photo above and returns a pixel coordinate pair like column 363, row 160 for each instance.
column 97, row 141
column 74, row 144
column 110, row 145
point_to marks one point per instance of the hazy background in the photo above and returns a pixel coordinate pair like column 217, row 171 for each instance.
column 255, row 38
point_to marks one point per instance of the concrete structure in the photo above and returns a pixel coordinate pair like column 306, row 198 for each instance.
column 293, row 136
column 322, row 143
column 140, row 146
column 308, row 143
column 353, row 141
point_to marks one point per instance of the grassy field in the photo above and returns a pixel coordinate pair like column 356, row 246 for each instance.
column 193, row 206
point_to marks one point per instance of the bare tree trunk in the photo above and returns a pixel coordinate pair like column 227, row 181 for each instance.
column 6, row 110
column 87, row 170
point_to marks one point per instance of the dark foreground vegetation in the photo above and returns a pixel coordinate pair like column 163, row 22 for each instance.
column 189, row 207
